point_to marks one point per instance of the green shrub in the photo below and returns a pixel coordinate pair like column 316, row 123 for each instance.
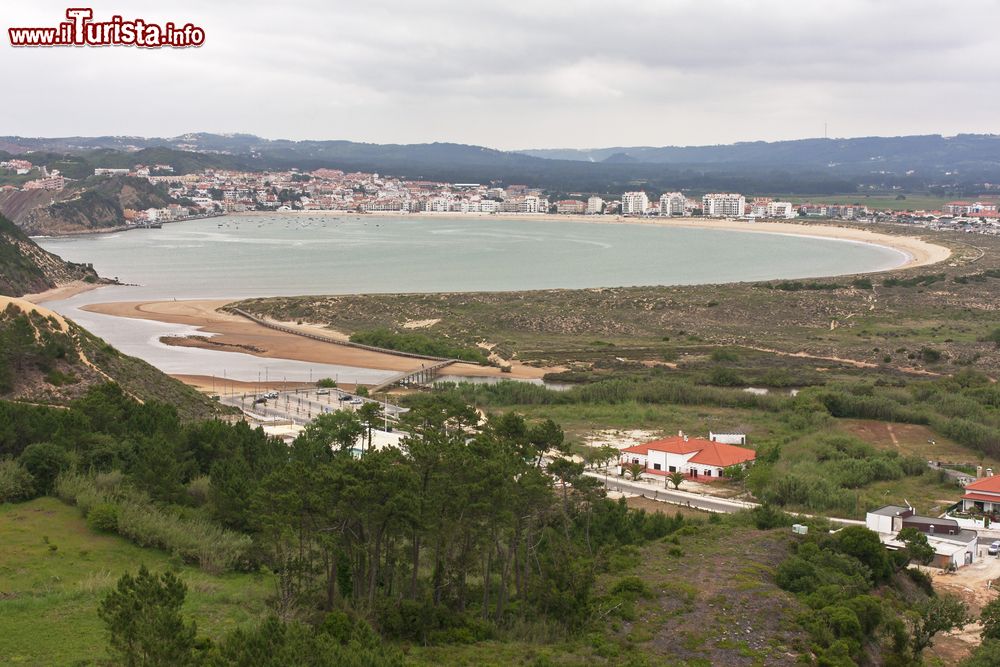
column 199, row 489
column 16, row 483
column 44, row 461
column 103, row 518
column 418, row 343
column 198, row 541
column 631, row 588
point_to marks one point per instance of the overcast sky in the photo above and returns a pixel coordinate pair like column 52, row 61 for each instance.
column 518, row 74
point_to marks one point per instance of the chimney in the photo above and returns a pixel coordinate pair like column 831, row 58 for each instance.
column 930, row 529
column 685, row 438
column 989, row 472
column 979, row 472
column 680, row 434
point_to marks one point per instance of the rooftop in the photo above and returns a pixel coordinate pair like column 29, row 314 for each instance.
column 890, row 510
column 706, row 452
column 985, row 485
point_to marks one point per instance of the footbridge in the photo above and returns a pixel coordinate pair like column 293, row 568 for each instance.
column 421, row 375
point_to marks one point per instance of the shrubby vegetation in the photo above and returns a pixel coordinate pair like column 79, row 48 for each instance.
column 128, row 512
column 612, row 392
column 822, row 471
column 418, row 343
column 964, row 407
column 859, row 602
column 28, row 340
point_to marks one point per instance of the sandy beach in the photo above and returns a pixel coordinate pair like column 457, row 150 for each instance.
column 61, row 292
column 918, row 251
column 228, row 332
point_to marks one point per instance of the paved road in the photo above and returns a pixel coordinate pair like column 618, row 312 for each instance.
column 695, row 500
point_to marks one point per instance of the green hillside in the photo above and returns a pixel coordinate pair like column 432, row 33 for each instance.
column 46, row 359
column 54, row 571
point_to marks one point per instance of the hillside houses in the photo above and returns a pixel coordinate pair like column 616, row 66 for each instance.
column 954, row 547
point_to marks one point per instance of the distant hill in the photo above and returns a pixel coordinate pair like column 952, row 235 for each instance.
column 45, row 358
column 90, row 205
column 809, row 166
column 932, row 154
column 25, row 268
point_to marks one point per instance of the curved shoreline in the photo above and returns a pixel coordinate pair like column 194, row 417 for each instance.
column 918, row 251
column 204, row 316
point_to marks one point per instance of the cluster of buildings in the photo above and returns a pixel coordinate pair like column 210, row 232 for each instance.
column 46, row 180
column 222, row 191
column 954, row 546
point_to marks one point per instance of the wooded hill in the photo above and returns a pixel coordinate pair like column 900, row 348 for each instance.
column 45, row 358
column 25, row 268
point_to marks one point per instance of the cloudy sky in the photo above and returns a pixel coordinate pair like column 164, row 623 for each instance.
column 518, row 74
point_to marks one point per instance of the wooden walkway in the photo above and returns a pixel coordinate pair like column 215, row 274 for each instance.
column 420, row 375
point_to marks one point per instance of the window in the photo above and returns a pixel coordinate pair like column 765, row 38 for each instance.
column 656, row 466
column 672, row 468
column 708, row 472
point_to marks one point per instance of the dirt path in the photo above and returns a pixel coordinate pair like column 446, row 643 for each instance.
column 841, row 360
column 976, row 585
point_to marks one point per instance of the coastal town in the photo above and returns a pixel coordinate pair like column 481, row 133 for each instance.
column 211, row 192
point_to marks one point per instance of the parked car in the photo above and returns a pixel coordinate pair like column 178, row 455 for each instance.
column 356, row 401
column 322, row 392
column 345, row 397
column 271, row 394
column 994, row 549
column 257, row 401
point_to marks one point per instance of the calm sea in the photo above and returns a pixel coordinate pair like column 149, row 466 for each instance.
column 287, row 254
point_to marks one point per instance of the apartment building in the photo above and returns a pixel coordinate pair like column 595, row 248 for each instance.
column 723, row 205
column 634, row 203
column 781, row 209
column 673, row 203
column 595, row 206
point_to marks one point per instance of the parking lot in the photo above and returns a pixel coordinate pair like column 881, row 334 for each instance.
column 300, row 406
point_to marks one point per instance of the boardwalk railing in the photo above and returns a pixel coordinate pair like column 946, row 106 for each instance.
column 420, row 375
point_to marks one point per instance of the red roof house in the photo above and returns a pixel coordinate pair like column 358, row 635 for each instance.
column 982, row 495
column 695, row 457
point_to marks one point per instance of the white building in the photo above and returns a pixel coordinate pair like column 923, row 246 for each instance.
column 781, row 209
column 672, row 203
column 532, row 204
column 953, row 546
column 695, row 457
column 723, row 205
column 634, row 203
column 728, row 438
column 595, row 206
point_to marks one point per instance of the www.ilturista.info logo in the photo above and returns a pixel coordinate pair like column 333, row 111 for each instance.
column 81, row 30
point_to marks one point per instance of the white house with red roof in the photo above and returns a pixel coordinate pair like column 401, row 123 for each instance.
column 983, row 495
column 697, row 458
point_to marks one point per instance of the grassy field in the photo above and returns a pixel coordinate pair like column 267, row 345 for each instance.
column 54, row 572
